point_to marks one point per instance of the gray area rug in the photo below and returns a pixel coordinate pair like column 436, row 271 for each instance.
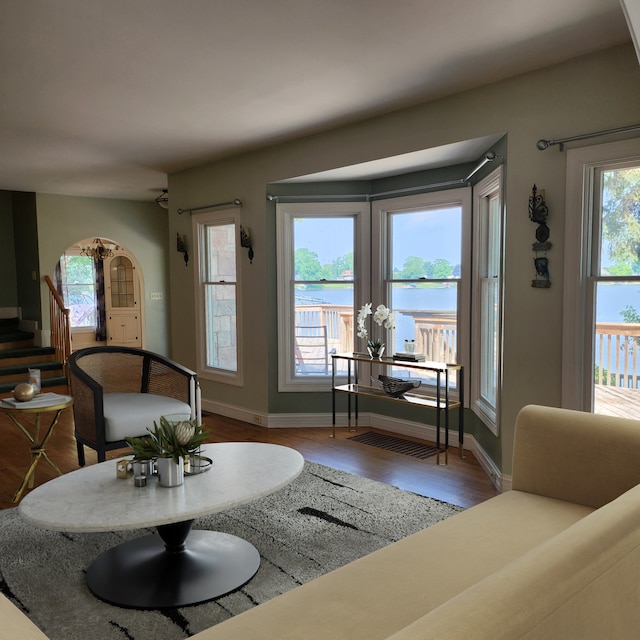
column 323, row 520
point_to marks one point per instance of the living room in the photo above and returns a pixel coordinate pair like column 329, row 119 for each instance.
column 592, row 90
column 590, row 93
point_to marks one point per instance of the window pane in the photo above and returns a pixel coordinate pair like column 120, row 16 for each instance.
column 425, row 251
column 323, row 325
column 121, row 274
column 620, row 236
column 78, row 290
column 490, row 292
column 426, row 244
column 220, row 313
column 323, row 248
column 221, row 253
column 427, row 314
column 616, row 337
column 323, row 292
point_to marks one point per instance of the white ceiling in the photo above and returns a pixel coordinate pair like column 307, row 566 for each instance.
column 105, row 97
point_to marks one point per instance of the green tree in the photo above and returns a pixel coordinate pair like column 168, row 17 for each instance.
column 442, row 268
column 621, row 217
column 307, row 265
column 335, row 270
column 414, row 267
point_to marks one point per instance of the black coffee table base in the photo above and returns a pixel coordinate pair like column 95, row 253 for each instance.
column 176, row 568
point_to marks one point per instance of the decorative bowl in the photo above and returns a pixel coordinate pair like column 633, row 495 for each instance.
column 396, row 387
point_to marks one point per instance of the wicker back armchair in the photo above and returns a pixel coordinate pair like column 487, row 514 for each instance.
column 120, row 391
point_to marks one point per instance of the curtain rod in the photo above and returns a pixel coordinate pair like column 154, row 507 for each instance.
column 235, row 203
column 544, row 144
column 490, row 156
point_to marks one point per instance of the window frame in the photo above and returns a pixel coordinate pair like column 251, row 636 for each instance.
column 75, row 253
column 579, row 303
column 380, row 259
column 286, row 213
column 489, row 187
column 200, row 223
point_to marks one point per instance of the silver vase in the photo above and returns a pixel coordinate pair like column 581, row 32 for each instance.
column 170, row 472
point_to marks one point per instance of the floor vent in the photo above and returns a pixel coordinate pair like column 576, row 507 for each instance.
column 397, row 445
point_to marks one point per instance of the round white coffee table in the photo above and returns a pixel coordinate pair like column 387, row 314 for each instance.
column 179, row 566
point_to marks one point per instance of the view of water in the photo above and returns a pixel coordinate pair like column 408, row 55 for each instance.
column 612, row 299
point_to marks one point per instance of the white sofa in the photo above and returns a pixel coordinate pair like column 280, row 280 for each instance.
column 558, row 557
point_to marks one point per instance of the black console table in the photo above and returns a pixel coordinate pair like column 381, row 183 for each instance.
column 437, row 398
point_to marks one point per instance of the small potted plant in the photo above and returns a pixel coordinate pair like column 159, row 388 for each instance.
column 171, row 442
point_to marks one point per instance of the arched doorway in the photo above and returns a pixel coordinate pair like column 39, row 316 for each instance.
column 102, row 285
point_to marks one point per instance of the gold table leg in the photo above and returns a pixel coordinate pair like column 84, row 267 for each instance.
column 37, row 450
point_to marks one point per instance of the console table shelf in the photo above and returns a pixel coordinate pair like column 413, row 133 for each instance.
column 436, row 398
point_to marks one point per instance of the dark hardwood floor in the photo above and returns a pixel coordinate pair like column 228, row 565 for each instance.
column 461, row 482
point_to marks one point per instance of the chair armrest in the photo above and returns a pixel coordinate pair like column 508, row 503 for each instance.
column 87, row 403
column 575, row 456
column 165, row 377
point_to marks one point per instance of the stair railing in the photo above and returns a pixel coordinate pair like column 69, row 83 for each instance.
column 60, row 325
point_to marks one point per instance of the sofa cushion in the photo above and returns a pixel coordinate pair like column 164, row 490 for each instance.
column 130, row 414
column 385, row 591
column 581, row 584
column 15, row 623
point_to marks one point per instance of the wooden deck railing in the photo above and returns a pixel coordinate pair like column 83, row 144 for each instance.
column 617, row 347
column 60, row 325
column 435, row 331
column 616, row 352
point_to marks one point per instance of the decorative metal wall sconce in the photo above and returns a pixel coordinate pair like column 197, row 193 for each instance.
column 181, row 246
column 245, row 241
column 538, row 213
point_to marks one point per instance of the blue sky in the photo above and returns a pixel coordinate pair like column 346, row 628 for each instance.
column 429, row 235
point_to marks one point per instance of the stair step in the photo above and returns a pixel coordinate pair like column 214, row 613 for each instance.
column 15, row 340
column 60, row 381
column 20, row 372
column 27, row 355
column 7, row 325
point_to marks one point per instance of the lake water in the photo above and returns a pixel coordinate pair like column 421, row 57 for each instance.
column 612, row 299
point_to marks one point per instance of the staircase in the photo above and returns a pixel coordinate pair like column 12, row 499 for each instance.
column 18, row 354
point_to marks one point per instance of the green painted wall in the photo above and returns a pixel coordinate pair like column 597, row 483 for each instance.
column 140, row 227
column 8, row 284
column 25, row 235
column 590, row 93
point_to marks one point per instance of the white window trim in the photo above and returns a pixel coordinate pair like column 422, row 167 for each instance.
column 198, row 222
column 489, row 414
column 454, row 197
column 578, row 304
column 285, row 213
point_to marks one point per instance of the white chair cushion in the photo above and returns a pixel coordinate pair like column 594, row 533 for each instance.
column 130, row 414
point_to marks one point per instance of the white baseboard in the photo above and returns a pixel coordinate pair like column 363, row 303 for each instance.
column 377, row 421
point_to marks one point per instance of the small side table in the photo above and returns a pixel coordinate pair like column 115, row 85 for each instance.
column 50, row 403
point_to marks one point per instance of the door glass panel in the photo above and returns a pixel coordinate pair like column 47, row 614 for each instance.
column 121, row 274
